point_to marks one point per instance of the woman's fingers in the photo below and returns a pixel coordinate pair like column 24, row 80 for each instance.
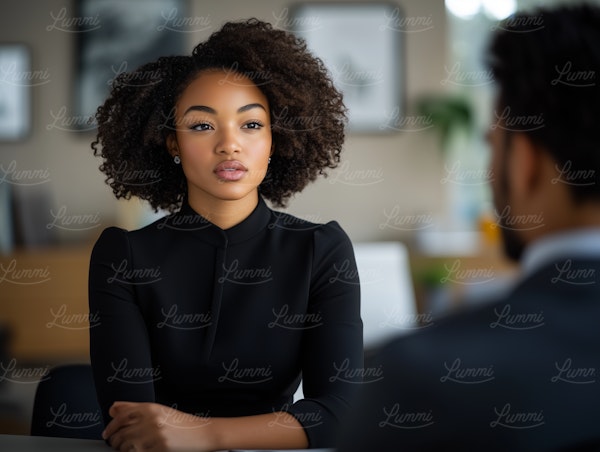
column 123, row 414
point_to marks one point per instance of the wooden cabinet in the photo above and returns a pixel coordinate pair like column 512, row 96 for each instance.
column 44, row 304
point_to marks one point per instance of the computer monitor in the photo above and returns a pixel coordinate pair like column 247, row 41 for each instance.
column 388, row 305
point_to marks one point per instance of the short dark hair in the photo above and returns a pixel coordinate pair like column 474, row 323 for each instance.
column 547, row 66
column 308, row 115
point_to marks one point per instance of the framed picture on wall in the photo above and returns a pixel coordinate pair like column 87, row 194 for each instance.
column 15, row 91
column 118, row 36
column 362, row 48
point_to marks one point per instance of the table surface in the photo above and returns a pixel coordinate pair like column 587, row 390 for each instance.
column 24, row 443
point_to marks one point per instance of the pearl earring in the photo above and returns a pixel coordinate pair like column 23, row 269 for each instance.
column 177, row 160
column 269, row 161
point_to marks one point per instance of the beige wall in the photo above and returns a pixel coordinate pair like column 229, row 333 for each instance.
column 385, row 173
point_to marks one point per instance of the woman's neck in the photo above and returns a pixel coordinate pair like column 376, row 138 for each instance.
column 224, row 213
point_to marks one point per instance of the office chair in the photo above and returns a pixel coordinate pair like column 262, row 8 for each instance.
column 65, row 404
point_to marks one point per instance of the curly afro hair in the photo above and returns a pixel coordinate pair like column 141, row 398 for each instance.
column 308, row 115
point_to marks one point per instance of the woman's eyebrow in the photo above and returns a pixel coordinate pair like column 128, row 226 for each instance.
column 250, row 107
column 212, row 111
column 203, row 108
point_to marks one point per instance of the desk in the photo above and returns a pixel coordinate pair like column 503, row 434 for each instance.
column 23, row 443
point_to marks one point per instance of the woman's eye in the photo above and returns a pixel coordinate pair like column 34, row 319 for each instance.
column 201, row 126
column 253, row 125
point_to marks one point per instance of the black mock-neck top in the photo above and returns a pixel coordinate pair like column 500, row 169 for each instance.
column 218, row 322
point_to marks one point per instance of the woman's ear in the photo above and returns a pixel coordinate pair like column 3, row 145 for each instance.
column 172, row 145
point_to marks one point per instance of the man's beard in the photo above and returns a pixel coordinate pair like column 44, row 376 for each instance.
column 512, row 243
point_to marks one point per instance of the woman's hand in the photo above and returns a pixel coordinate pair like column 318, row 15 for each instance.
column 154, row 427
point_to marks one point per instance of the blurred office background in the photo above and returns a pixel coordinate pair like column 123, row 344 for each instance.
column 414, row 168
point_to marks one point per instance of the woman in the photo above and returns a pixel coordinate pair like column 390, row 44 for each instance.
column 209, row 317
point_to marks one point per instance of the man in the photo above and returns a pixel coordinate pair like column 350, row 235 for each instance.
column 521, row 373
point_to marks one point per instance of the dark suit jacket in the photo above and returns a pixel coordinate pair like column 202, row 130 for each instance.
column 518, row 374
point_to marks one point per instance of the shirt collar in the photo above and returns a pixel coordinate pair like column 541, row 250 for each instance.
column 188, row 220
column 580, row 243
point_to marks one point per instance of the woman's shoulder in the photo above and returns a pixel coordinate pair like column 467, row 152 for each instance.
column 286, row 221
column 116, row 233
column 112, row 244
column 111, row 235
column 117, row 236
column 324, row 235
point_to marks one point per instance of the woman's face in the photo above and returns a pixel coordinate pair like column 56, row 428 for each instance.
column 223, row 137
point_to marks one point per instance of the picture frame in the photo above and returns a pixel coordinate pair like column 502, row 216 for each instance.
column 119, row 36
column 363, row 51
column 15, row 91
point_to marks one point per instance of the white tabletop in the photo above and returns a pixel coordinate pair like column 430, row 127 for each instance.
column 24, row 443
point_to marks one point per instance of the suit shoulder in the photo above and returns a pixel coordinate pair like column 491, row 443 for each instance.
column 462, row 333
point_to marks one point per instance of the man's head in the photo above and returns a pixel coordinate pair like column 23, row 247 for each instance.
column 546, row 140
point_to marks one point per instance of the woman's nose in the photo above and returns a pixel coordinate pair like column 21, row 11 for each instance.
column 228, row 143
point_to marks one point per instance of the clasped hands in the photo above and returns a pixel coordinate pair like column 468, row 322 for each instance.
column 137, row 426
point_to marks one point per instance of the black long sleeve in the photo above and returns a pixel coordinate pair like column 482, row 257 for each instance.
column 224, row 322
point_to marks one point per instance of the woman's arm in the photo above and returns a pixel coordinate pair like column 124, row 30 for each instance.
column 150, row 426
column 119, row 345
column 332, row 344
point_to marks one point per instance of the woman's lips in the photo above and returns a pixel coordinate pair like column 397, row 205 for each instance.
column 230, row 170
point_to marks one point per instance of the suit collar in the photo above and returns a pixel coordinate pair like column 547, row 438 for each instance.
column 574, row 244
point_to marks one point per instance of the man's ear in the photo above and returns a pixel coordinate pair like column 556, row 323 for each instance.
column 525, row 166
column 172, row 145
